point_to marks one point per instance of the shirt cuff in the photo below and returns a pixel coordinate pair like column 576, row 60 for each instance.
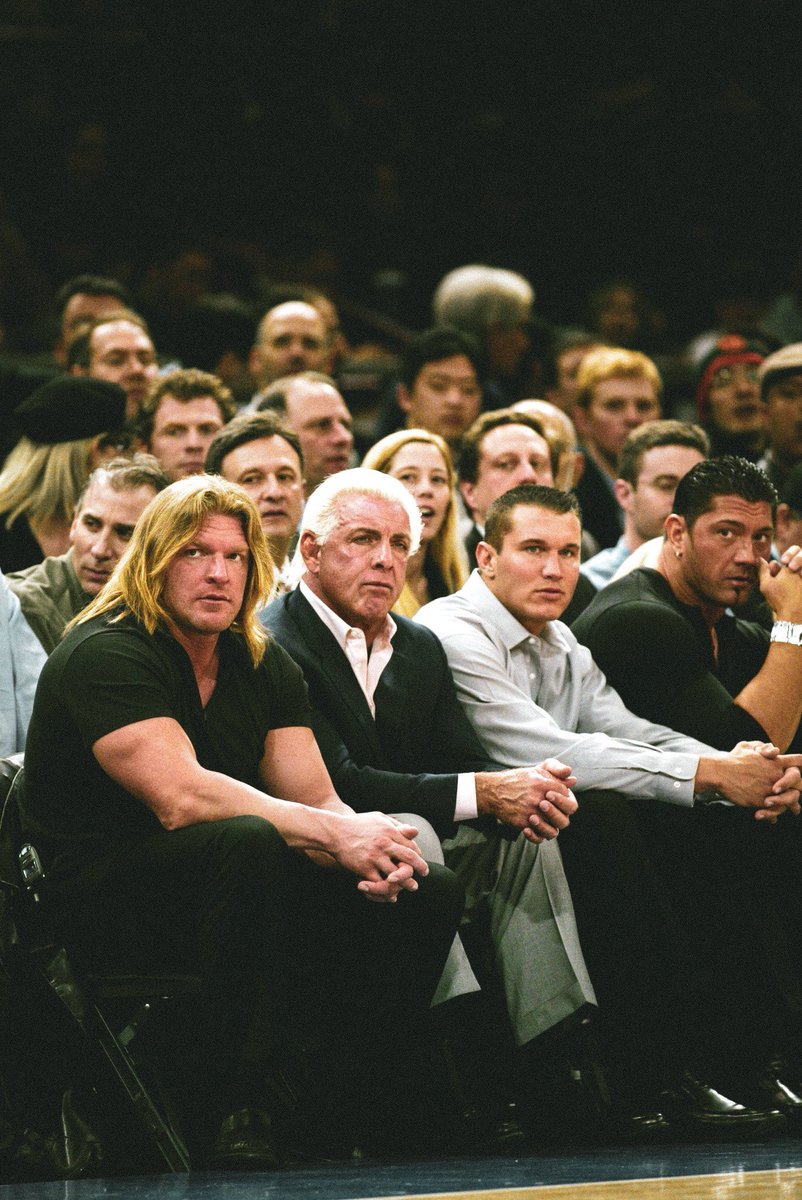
column 465, row 808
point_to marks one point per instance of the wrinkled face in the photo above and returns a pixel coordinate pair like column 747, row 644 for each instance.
column 508, row 455
column 652, row 499
column 292, row 339
column 734, row 399
column 270, row 471
column 120, row 352
column 445, row 397
column 535, row 572
column 359, row 570
column 784, row 418
column 182, row 433
column 101, row 531
column 618, row 406
column 720, row 553
column 422, row 469
column 317, row 415
column 204, row 585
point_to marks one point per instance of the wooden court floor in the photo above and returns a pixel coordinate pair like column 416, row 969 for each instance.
column 713, row 1172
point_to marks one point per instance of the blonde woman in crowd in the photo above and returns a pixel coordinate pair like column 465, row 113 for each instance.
column 67, row 430
column 422, row 462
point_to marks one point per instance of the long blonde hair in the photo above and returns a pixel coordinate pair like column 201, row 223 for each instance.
column 445, row 546
column 170, row 521
column 43, row 482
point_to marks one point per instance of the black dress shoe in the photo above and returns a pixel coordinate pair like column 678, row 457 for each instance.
column 695, row 1109
column 244, row 1143
column 769, row 1090
column 490, row 1132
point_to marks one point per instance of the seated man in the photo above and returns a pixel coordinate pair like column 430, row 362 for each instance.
column 257, row 452
column 185, row 817
column 54, row 591
column 666, row 638
column 312, row 408
column 392, row 733
column 526, row 684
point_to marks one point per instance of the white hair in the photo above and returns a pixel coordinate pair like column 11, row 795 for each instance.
column 322, row 509
column 476, row 296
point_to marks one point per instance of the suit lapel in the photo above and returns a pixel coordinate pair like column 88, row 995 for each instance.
column 333, row 663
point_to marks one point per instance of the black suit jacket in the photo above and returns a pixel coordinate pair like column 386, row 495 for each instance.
column 601, row 513
column 408, row 758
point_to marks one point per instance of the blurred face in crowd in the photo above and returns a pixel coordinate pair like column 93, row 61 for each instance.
column 182, row 433
column 270, row 471
column 784, row 418
column 318, row 416
column 101, row 530
column 508, row 455
column 617, row 406
column 292, row 338
column 422, row 469
column 535, row 572
column 734, row 399
column 445, row 397
column 121, row 352
column 652, row 499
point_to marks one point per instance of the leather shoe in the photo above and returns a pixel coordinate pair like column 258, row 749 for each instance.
column 769, row 1090
column 696, row 1109
column 244, row 1143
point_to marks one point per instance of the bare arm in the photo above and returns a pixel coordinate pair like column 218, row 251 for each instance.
column 774, row 696
column 180, row 792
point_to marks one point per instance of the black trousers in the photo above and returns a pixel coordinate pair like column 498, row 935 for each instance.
column 269, row 932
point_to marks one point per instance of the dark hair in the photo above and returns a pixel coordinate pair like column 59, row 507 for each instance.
column 91, row 285
column 215, row 325
column 725, row 476
column 433, row 345
column 561, row 343
column 652, row 434
column 248, row 427
column 499, row 514
column 472, row 441
column 184, row 384
column 79, row 352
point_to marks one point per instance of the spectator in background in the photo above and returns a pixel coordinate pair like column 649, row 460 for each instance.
column 181, row 414
column 654, row 459
column 291, row 338
column 422, row 462
column 495, row 307
column 500, row 450
column 81, row 301
column 256, row 451
column 216, row 335
column 118, row 349
column 54, row 591
column 439, row 386
column 69, row 427
column 617, row 391
column 313, row 409
column 561, row 367
column 781, row 388
column 728, row 397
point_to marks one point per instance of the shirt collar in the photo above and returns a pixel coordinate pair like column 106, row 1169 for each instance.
column 340, row 628
column 511, row 631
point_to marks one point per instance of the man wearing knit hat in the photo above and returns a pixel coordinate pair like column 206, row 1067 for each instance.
column 781, row 389
column 728, row 397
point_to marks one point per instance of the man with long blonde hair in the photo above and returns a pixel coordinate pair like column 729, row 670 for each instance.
column 171, row 775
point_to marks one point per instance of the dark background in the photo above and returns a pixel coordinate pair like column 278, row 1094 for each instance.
column 370, row 146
